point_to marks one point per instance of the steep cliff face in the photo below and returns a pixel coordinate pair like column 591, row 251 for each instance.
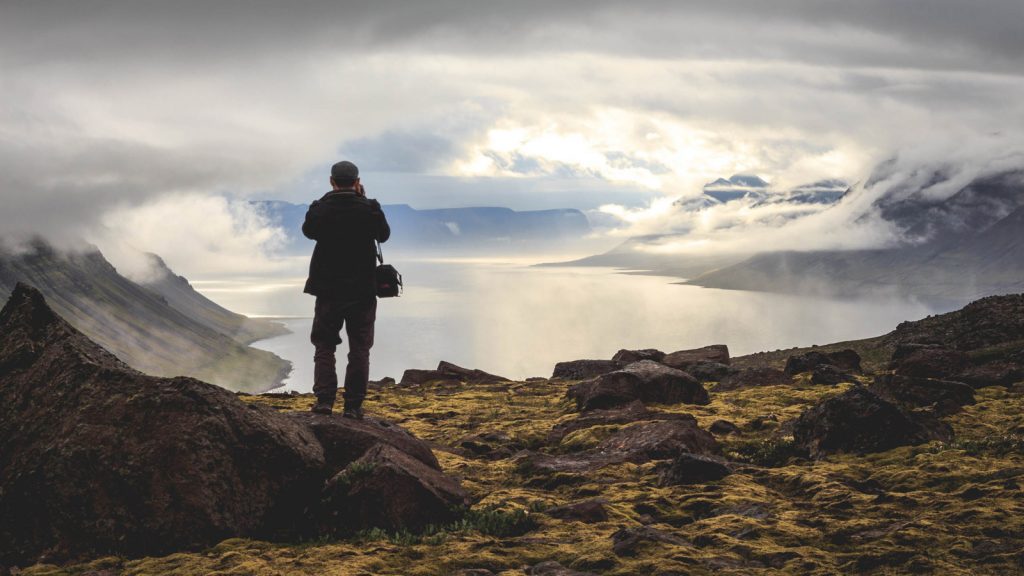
column 164, row 328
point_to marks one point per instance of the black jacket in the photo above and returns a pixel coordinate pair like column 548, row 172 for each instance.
column 344, row 226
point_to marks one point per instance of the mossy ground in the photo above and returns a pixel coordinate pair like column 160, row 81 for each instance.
column 938, row 509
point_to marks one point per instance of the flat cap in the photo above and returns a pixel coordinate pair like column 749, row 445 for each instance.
column 344, row 171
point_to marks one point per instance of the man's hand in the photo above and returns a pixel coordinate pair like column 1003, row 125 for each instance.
column 361, row 190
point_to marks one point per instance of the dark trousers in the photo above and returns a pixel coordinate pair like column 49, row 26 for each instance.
column 357, row 317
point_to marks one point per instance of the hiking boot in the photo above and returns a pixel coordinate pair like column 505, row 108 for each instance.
column 353, row 411
column 323, row 406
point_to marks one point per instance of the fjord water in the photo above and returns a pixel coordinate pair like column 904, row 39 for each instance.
column 518, row 321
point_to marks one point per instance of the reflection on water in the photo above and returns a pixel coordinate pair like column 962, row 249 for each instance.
column 519, row 321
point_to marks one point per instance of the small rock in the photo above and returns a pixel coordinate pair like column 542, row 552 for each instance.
column 584, row 369
column 693, row 469
column 587, row 511
column 624, row 357
column 446, row 371
column 626, row 541
column 723, row 428
column 659, row 440
column 683, row 359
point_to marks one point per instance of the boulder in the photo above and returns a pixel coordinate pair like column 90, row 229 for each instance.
column 847, row 360
column 632, row 412
column 829, row 375
column 722, row 428
column 683, row 359
column 584, row 369
column 923, row 392
column 389, row 489
column 646, row 441
column 586, row 511
column 624, row 357
column 752, row 378
column 96, row 457
column 689, row 468
column 709, row 371
column 859, row 421
column 639, row 443
column 646, row 380
column 345, row 440
column 448, row 372
column 928, row 361
column 996, row 373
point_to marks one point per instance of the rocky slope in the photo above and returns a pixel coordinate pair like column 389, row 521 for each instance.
column 97, row 458
column 815, row 461
column 162, row 327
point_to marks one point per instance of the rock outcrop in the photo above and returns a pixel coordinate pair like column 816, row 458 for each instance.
column 97, row 457
column 446, row 371
column 584, row 369
column 693, row 469
column 847, row 360
column 858, row 421
column 752, row 378
column 646, row 380
column 945, row 395
column 683, row 359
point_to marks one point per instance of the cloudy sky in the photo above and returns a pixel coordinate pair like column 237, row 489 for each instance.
column 145, row 118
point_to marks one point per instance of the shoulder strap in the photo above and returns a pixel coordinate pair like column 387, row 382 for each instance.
column 380, row 254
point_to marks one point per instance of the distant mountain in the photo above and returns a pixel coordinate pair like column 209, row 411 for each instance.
column 450, row 228
column 163, row 328
column 966, row 246
column 756, row 190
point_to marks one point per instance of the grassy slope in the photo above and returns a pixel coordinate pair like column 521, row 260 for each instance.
column 945, row 509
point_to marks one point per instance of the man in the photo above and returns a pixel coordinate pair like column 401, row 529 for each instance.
column 345, row 224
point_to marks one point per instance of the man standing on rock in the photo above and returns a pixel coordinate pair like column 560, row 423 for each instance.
column 345, row 224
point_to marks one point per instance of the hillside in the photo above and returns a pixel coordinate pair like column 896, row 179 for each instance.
column 164, row 328
column 822, row 469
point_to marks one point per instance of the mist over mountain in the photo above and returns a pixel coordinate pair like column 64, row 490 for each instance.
column 459, row 230
column 160, row 326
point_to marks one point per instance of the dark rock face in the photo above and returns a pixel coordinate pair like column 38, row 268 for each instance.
column 389, row 489
column 98, row 458
column 446, row 371
column 683, row 359
column 928, row 361
column 645, row 380
column 709, row 371
column 587, row 511
column 923, row 392
column 95, row 456
column 753, row 377
column 625, row 357
column 829, row 375
column 848, row 360
column 859, row 421
column 584, row 369
column 631, row 412
column 694, row 469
